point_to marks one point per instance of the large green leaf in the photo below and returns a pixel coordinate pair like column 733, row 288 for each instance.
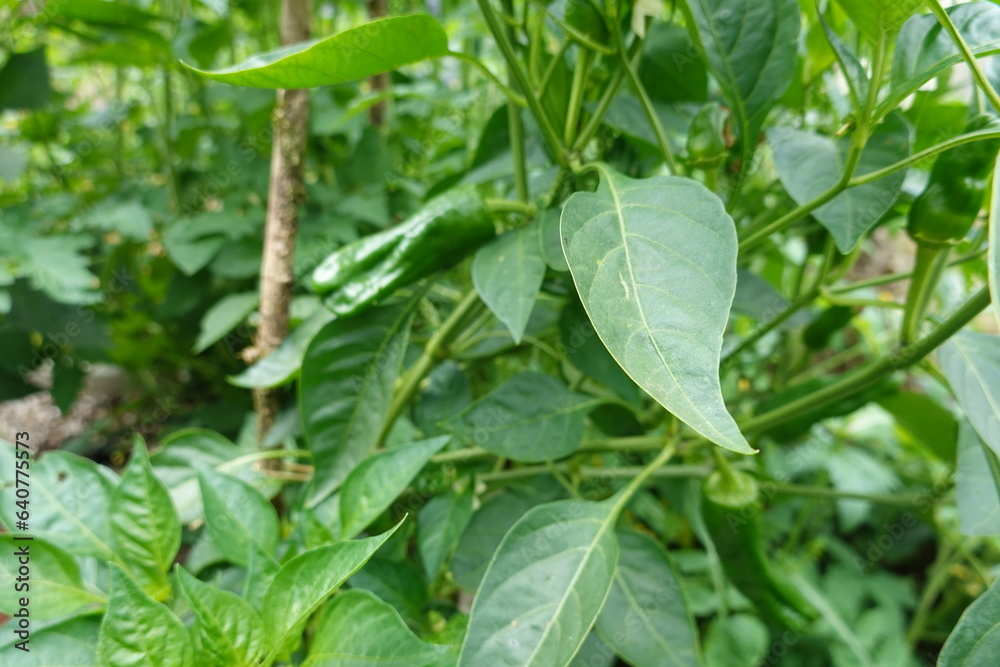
column 227, row 626
column 809, row 164
column 879, row 19
column 545, row 586
column 924, row 49
column 236, row 514
column 654, row 261
column 348, row 374
column 56, row 587
column 281, row 366
column 439, row 527
column 646, row 618
column 751, row 47
column 977, row 485
column 357, row 53
column 304, row 582
column 507, row 273
column 378, row 480
column 50, row 646
column 975, row 641
column 531, row 417
column 71, row 505
column 971, row 362
column 358, row 629
column 144, row 524
column 137, row 631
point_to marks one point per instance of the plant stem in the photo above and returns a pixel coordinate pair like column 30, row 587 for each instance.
column 759, row 332
column 658, row 462
column 576, row 95
column 938, row 578
column 967, row 55
column 923, row 155
column 521, row 79
column 927, row 270
column 410, row 381
column 510, row 206
column 867, row 375
column 825, row 492
column 610, row 90
column 894, row 277
column 512, row 97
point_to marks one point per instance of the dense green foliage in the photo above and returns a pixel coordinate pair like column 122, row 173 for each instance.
column 597, row 351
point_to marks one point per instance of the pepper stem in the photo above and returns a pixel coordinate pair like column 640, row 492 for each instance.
column 930, row 262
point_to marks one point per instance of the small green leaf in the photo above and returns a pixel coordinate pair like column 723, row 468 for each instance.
column 507, row 273
column 439, row 526
column 144, row 523
column 977, row 485
column 55, row 588
column 304, row 582
column 736, row 641
column 971, row 362
column 24, row 80
column 975, row 641
column 137, row 631
column 377, row 481
column 809, row 164
column 654, row 261
column 545, row 586
column 348, row 374
column 281, row 366
column 355, row 54
column 358, row 629
column 236, row 514
column 879, row 19
column 228, row 627
column 223, row 317
column 646, row 618
column 50, row 645
column 753, row 73
column 531, row 417
column 993, row 256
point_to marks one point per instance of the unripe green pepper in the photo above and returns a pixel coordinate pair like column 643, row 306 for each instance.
column 438, row 236
column 706, row 146
column 731, row 507
column 945, row 211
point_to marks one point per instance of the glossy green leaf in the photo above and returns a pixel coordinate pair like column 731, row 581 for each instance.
column 654, row 261
column 304, row 582
column 262, row 568
column 348, row 374
column 531, row 417
column 809, row 164
column 228, row 627
column 223, row 317
column 977, row 485
column 924, row 49
column 359, row 629
column 236, row 514
column 993, row 254
column 144, row 524
column 378, row 480
column 975, row 641
column 439, row 526
column 50, row 646
column 445, row 394
column 507, row 273
column 971, row 362
column 879, row 19
column 70, row 508
column 281, row 366
column 355, row 54
column 671, row 70
column 54, row 586
column 137, row 631
column 853, row 70
column 397, row 583
column 545, row 586
column 754, row 72
column 645, row 618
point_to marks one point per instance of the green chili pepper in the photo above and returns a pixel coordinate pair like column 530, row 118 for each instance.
column 943, row 214
column 438, row 236
column 731, row 507
column 947, row 208
column 706, row 146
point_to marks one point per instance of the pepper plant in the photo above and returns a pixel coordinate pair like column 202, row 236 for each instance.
column 616, row 387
